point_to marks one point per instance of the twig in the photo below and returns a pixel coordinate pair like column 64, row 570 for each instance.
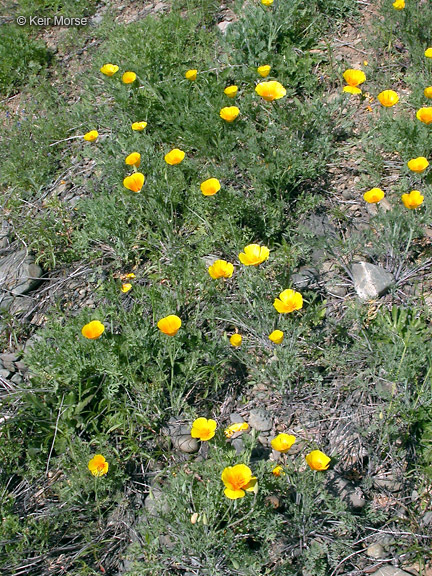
column 55, row 434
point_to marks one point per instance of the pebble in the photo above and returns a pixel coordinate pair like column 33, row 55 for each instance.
column 370, row 281
column 390, row 571
column 18, row 273
column 260, row 420
column 186, row 443
column 349, row 493
column 155, row 502
column 376, row 550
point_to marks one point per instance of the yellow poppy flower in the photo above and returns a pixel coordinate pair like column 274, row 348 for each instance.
column 412, row 200
column 278, row 471
column 373, row 195
column 428, row 92
column 134, row 182
column 229, row 113
column 236, row 427
column 276, row 336
column 237, row 479
column 203, row 429
column 109, row 69
column 231, row 91
column 317, row 460
column 270, row 90
column 418, row 164
column 210, row 187
column 288, row 301
column 169, row 325
column 236, row 340
column 425, row 115
column 283, row 442
column 125, row 287
column 133, row 159
column 267, row 2
column 98, row 466
column 352, row 90
column 129, row 77
column 221, row 269
column 254, row 254
column 264, row 71
column 91, row 136
column 93, row 330
column 174, row 157
column 139, row 126
column 354, row 77
column 388, row 98
column 191, row 75
column 428, row 53
column 399, row 4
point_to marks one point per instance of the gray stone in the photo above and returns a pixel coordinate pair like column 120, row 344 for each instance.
column 223, row 26
column 376, row 550
column 186, row 443
column 235, row 418
column 17, row 379
column 155, row 502
column 21, row 305
column 31, row 342
column 390, row 571
column 18, row 273
column 4, row 373
column 389, row 483
column 349, row 493
column 8, row 361
column 166, row 541
column 427, row 519
column 335, row 289
column 238, row 445
column 4, row 231
column 260, row 420
column 304, row 277
column 370, row 281
column 319, row 225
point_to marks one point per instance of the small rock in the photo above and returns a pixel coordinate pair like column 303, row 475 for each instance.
column 427, row 519
column 18, row 273
column 155, row 502
column 31, row 342
column 304, row 277
column 4, row 373
column 389, row 483
column 376, row 550
column 260, row 420
column 390, row 571
column 350, row 494
column 335, row 289
column 8, row 360
column 166, row 541
column 17, row 379
column 186, row 443
column 370, row 281
column 235, row 418
column 263, row 440
column 320, row 225
column 223, row 26
column 21, row 366
column 238, row 445
column 160, row 7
